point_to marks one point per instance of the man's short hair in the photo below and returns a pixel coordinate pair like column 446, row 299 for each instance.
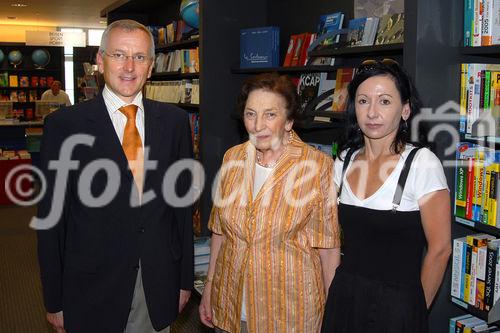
column 129, row 26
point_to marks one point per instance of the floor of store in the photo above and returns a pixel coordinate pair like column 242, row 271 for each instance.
column 21, row 305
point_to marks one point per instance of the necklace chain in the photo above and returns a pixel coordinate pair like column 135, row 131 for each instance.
column 273, row 164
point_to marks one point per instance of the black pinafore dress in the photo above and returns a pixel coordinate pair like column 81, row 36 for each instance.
column 377, row 286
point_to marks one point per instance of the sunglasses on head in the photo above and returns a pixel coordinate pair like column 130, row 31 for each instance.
column 370, row 64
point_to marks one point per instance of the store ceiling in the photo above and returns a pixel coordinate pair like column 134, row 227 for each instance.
column 60, row 13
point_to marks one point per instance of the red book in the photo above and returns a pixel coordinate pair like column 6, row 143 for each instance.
column 303, row 53
column 298, row 49
column 290, row 50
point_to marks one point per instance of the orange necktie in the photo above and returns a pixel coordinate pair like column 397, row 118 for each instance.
column 132, row 145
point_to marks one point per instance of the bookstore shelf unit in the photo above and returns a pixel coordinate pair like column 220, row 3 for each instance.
column 462, row 226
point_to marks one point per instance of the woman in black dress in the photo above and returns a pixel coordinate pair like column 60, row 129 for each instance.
column 393, row 201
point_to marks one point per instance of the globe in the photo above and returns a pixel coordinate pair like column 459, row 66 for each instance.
column 40, row 57
column 2, row 57
column 190, row 12
column 15, row 57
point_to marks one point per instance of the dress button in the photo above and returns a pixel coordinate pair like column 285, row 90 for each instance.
column 141, row 230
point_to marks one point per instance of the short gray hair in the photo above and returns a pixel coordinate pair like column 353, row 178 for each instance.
column 129, row 26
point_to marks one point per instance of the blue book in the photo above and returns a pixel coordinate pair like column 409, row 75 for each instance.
column 468, row 21
column 356, row 31
column 329, row 23
column 259, row 47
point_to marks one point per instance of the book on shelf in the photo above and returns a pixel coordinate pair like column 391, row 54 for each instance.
column 195, row 92
column 13, row 81
column 171, row 30
column 390, row 29
column 157, row 32
column 21, row 96
column 4, row 79
column 481, row 25
column 476, row 179
column 325, row 91
column 308, row 88
column 472, row 279
column 185, row 61
column 24, row 81
column 344, row 77
column 13, row 96
column 175, row 91
column 471, row 324
column 362, row 31
column 329, row 23
column 479, row 97
column 259, row 47
column 33, row 95
column 34, row 82
column 290, row 50
column 186, row 87
column 194, row 122
column 301, row 42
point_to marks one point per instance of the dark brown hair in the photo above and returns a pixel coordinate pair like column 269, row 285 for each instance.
column 407, row 90
column 273, row 82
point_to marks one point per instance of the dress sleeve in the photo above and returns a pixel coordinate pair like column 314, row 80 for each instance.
column 427, row 174
column 323, row 229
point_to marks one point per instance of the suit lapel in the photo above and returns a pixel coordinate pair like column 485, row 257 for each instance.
column 107, row 140
column 152, row 137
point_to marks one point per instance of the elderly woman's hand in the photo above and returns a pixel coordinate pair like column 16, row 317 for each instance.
column 205, row 307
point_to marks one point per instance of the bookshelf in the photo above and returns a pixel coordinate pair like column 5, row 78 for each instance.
column 463, row 226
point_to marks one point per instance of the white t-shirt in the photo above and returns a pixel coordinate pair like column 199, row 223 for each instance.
column 426, row 175
column 60, row 98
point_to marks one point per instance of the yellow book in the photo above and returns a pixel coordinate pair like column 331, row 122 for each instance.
column 13, row 81
column 478, row 185
column 463, row 96
column 486, row 194
column 492, row 209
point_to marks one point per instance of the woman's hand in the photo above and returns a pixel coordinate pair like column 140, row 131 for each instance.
column 205, row 307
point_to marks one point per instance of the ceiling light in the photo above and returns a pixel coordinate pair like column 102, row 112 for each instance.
column 19, row 4
column 103, row 22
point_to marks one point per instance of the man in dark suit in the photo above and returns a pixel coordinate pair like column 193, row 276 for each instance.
column 115, row 256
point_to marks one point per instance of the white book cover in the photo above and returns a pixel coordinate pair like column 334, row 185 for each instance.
column 456, row 272
column 481, row 263
column 473, row 277
column 487, row 22
column 495, row 23
column 476, row 36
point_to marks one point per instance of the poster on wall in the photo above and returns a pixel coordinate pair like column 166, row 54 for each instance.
column 378, row 8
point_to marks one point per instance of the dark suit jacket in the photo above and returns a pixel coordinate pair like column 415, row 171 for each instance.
column 89, row 260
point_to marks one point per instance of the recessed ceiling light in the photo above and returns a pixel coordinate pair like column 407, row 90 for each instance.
column 11, row 17
column 19, row 4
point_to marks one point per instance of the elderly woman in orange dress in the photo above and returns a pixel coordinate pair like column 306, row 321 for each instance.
column 275, row 242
